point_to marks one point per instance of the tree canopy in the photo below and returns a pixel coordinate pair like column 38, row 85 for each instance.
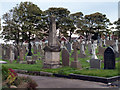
column 26, row 20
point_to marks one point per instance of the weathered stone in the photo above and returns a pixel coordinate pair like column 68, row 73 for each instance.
column 34, row 57
column 65, row 57
column 52, row 51
column 75, row 63
column 68, row 46
column 34, row 49
column 95, row 63
column 101, row 51
column 109, row 42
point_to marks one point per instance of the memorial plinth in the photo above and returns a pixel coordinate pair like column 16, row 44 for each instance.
column 52, row 51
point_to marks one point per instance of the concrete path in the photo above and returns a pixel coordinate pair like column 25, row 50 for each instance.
column 54, row 82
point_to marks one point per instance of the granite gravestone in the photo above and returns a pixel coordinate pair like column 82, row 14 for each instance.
column 95, row 63
column 109, row 58
column 65, row 57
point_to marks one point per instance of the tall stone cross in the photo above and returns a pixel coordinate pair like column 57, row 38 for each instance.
column 75, row 63
column 52, row 40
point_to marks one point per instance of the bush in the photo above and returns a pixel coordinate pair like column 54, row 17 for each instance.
column 4, row 73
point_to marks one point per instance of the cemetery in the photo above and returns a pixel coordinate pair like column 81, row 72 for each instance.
column 93, row 56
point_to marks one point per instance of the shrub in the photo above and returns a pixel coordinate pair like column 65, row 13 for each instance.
column 4, row 73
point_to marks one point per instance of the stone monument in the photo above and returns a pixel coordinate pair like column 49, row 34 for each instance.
column 75, row 63
column 95, row 63
column 52, row 51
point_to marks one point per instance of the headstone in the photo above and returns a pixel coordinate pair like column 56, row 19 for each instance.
column 11, row 53
column 65, row 57
column 15, row 53
column 90, row 47
column 34, row 49
column 6, row 52
column 109, row 42
column 34, row 57
column 30, row 60
column 68, row 46
column 101, row 51
column 21, row 54
column 52, row 51
column 109, row 58
column 95, row 63
column 75, row 63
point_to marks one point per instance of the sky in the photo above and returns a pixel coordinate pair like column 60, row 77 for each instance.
column 108, row 7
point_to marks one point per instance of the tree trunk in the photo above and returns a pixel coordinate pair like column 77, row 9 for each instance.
column 29, row 46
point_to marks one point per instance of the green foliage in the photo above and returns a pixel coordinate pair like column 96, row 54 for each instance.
column 117, row 23
column 4, row 72
column 67, row 70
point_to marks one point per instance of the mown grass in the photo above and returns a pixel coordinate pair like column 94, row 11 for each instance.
column 67, row 70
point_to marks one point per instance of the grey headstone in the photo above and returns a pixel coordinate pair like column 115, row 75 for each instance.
column 95, row 63
column 75, row 63
column 65, row 57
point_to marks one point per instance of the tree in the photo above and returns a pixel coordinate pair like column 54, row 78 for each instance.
column 79, row 22
column 96, row 22
column 22, row 23
column 117, row 23
column 60, row 14
column 67, row 27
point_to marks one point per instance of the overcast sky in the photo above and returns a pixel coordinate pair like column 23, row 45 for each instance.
column 108, row 7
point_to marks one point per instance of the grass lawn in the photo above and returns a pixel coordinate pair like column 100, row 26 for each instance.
column 67, row 70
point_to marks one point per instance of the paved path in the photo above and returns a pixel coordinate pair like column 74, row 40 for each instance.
column 54, row 82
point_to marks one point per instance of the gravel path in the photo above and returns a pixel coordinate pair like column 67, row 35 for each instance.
column 54, row 82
